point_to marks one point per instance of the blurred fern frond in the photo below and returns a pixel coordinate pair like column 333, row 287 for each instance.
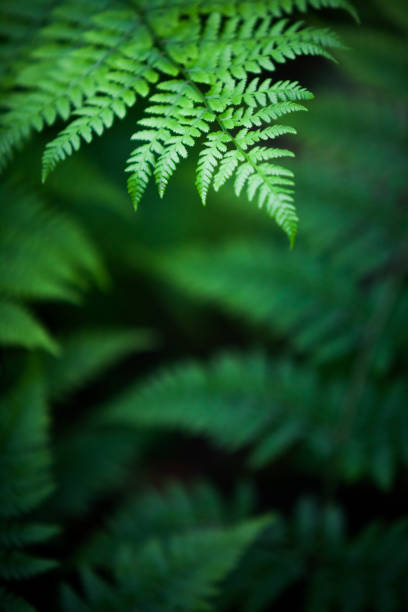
column 44, row 255
column 245, row 401
column 365, row 572
column 168, row 551
column 25, row 482
column 18, row 327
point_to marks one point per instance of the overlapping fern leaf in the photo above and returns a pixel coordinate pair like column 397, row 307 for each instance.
column 90, row 62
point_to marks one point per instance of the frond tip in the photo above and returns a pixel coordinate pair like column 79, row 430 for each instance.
column 233, row 115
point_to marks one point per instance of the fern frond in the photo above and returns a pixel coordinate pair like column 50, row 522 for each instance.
column 17, row 535
column 184, row 114
column 16, row 565
column 190, row 567
column 182, row 574
column 287, row 293
column 269, row 414
column 94, row 118
column 24, row 450
column 53, row 258
column 174, row 511
column 158, row 541
column 18, row 327
column 179, row 541
column 366, row 569
column 175, row 124
column 164, row 391
column 88, row 68
column 210, row 157
column 99, row 67
column 25, row 481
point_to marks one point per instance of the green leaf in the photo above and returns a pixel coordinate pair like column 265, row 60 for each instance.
column 18, row 327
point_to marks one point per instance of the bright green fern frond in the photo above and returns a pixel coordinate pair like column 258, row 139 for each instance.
column 177, row 121
column 184, row 114
column 89, row 64
column 214, row 151
column 84, row 60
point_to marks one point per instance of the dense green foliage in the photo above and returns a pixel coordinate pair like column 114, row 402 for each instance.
column 192, row 415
